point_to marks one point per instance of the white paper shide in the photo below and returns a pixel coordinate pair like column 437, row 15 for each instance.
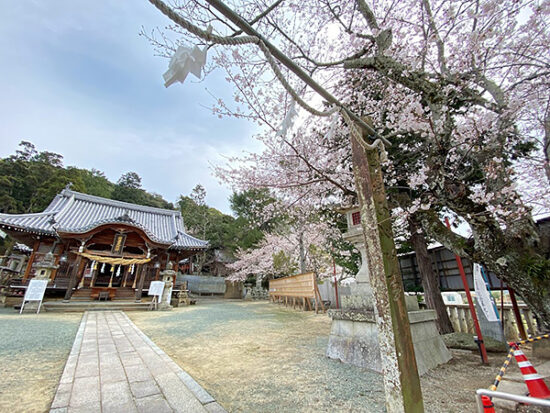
column 185, row 61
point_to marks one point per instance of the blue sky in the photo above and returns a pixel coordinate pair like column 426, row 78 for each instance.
column 77, row 79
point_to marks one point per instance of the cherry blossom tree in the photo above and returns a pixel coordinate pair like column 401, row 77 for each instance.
column 282, row 253
column 460, row 89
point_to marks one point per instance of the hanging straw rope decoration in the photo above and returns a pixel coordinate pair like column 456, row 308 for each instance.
column 240, row 40
column 113, row 260
column 357, row 135
column 197, row 31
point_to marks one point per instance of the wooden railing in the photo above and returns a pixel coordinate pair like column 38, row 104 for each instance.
column 461, row 319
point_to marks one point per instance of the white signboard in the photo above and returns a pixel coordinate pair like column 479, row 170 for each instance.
column 35, row 292
column 483, row 296
column 156, row 288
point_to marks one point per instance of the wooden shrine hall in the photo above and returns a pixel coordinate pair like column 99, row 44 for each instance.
column 101, row 245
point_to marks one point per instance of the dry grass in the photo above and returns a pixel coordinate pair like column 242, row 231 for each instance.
column 260, row 357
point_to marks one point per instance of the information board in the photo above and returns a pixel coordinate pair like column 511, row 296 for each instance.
column 156, row 288
column 35, row 292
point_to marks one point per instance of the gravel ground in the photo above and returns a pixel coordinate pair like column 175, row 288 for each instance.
column 251, row 356
column 260, row 357
column 33, row 351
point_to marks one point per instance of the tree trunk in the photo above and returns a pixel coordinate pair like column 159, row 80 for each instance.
column 302, row 253
column 430, row 282
column 546, row 142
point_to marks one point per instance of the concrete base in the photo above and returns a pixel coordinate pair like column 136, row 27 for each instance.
column 354, row 339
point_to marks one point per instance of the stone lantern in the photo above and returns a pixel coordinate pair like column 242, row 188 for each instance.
column 354, row 332
column 168, row 276
column 45, row 267
column 361, row 297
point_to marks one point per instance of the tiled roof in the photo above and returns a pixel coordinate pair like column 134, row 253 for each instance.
column 74, row 212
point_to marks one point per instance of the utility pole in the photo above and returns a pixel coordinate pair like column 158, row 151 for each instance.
column 401, row 379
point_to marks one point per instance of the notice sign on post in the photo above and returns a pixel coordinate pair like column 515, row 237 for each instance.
column 35, row 292
column 155, row 289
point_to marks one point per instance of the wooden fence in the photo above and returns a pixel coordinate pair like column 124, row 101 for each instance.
column 461, row 318
column 296, row 290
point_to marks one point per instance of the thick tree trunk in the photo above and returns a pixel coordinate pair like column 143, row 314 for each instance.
column 432, row 292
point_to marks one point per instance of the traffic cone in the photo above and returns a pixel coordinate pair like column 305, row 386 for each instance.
column 488, row 406
column 535, row 384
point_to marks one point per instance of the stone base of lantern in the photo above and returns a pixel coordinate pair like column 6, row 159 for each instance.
column 165, row 307
column 354, row 339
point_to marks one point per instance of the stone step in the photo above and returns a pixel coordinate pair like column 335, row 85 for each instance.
column 81, row 306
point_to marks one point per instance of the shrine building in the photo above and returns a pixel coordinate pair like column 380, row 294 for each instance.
column 100, row 244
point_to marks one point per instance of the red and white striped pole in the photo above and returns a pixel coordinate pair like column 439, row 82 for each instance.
column 535, row 384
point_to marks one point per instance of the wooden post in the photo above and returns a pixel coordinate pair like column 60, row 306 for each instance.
column 502, row 308
column 112, row 275
column 81, row 283
column 176, row 267
column 141, row 280
column 31, row 260
column 94, row 274
column 517, row 314
column 401, row 380
column 57, row 258
column 136, row 274
column 73, row 278
column 125, row 275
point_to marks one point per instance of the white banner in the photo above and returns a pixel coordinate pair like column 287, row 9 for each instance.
column 483, row 295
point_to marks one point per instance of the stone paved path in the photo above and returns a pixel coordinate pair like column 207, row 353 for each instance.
column 114, row 367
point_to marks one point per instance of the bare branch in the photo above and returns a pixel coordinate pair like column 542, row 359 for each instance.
column 438, row 41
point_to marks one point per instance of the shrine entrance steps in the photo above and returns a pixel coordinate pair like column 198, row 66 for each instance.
column 114, row 367
column 82, row 300
column 121, row 294
column 80, row 306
